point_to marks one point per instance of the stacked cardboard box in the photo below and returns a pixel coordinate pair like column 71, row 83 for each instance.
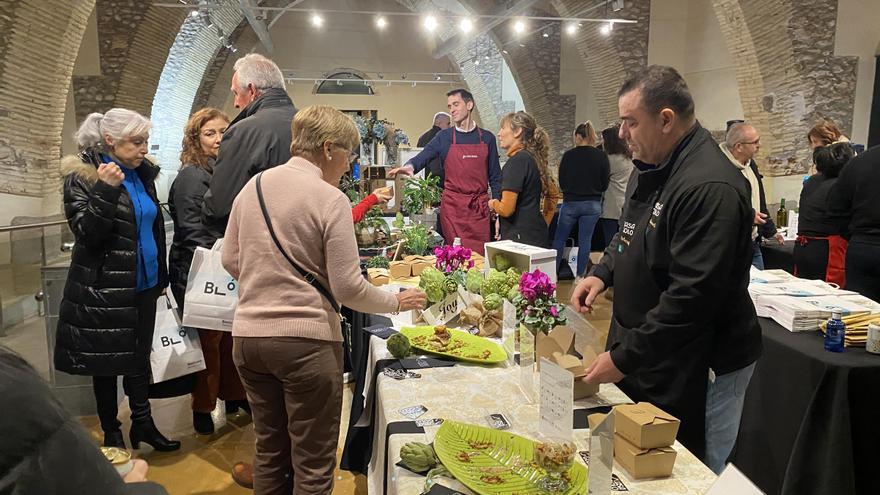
column 643, row 438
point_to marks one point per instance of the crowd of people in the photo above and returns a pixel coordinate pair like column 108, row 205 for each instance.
column 683, row 218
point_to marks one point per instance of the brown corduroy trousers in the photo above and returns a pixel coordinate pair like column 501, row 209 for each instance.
column 294, row 386
column 219, row 379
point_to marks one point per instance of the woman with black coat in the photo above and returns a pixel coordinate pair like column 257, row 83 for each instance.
column 201, row 143
column 117, row 270
column 820, row 250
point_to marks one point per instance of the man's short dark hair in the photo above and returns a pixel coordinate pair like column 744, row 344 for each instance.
column 661, row 87
column 465, row 94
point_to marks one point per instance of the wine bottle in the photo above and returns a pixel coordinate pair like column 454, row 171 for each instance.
column 781, row 215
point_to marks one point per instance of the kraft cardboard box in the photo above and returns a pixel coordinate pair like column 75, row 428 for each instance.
column 378, row 276
column 643, row 463
column 400, row 269
column 645, row 425
column 558, row 347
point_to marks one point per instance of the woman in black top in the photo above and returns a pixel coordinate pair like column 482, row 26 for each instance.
column 527, row 192
column 853, row 200
column 820, row 249
column 219, row 379
column 583, row 176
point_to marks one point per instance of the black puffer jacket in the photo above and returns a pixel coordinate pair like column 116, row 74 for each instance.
column 98, row 317
column 185, row 203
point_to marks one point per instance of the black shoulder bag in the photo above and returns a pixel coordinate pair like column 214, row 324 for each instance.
column 310, row 278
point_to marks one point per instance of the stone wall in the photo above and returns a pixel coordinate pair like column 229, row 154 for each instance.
column 39, row 41
column 134, row 39
column 610, row 59
column 787, row 73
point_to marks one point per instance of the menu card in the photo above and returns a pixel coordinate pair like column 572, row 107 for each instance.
column 556, row 404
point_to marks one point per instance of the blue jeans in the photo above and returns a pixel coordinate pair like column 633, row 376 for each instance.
column 724, row 405
column 584, row 214
column 757, row 258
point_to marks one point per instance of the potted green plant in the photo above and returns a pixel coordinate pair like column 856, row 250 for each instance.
column 373, row 229
column 420, row 194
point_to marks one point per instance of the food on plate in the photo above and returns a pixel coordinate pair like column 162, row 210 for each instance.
column 555, row 457
column 479, row 445
column 492, row 479
column 399, row 345
column 464, row 456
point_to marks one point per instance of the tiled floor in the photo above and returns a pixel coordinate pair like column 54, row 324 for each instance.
column 202, row 465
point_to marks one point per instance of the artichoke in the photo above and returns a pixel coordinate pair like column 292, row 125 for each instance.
column 502, row 263
column 450, row 285
column 474, row 281
column 418, row 457
column 512, row 293
column 492, row 301
column 513, row 276
column 398, row 345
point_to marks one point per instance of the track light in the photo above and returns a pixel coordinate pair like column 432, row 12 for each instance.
column 381, row 23
column 317, row 20
column 519, row 27
column 466, row 25
column 571, row 29
column 430, row 23
column 606, row 28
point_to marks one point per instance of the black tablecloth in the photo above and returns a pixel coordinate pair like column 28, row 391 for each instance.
column 778, row 257
column 810, row 423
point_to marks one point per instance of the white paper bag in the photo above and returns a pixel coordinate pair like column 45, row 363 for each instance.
column 176, row 351
column 211, row 292
column 570, row 256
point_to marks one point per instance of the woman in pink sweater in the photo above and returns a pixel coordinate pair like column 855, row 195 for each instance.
column 287, row 334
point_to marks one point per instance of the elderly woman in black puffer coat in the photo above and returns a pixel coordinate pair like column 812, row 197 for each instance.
column 117, row 270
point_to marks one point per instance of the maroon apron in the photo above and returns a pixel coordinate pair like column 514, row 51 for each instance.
column 464, row 208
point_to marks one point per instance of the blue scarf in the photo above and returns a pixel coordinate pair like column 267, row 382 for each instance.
column 145, row 212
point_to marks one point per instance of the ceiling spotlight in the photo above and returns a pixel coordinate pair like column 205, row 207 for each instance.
column 381, row 75
column 381, row 22
column 477, row 61
column 486, row 57
column 466, row 25
column 436, row 77
column 403, row 76
column 545, row 35
column 430, row 23
column 194, row 14
column 606, row 28
column 571, row 28
column 519, row 27
column 317, row 20
column 504, row 52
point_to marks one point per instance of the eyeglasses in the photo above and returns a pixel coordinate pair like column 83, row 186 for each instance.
column 352, row 156
column 755, row 142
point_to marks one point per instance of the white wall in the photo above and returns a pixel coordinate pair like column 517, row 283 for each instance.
column 574, row 80
column 685, row 34
column 858, row 33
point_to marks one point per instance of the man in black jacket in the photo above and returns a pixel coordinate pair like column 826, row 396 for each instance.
column 679, row 266
column 741, row 144
column 257, row 139
column 442, row 120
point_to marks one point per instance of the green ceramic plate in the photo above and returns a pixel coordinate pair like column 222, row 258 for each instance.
column 475, row 349
column 499, row 463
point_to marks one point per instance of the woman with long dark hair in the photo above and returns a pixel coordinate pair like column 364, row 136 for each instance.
column 621, row 166
column 219, row 379
column 528, row 193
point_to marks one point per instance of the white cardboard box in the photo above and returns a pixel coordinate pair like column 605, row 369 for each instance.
column 524, row 257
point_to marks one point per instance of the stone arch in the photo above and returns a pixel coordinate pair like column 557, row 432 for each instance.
column 41, row 67
column 787, row 73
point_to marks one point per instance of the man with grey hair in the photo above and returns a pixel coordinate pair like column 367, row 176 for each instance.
column 740, row 146
column 257, row 139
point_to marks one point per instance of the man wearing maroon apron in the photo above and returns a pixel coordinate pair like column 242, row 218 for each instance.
column 470, row 169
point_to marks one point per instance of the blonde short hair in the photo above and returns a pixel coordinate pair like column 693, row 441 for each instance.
column 316, row 124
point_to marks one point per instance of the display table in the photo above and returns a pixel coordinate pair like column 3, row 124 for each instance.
column 810, row 421
column 468, row 393
column 778, row 257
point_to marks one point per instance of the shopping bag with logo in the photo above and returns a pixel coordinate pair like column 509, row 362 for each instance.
column 211, row 292
column 570, row 256
column 176, row 350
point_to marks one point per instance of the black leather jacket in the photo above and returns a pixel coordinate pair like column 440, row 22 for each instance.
column 96, row 326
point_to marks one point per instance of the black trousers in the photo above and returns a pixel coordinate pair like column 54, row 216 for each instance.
column 136, row 387
column 811, row 259
column 863, row 268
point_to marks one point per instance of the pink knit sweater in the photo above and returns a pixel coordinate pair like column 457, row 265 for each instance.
column 312, row 219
